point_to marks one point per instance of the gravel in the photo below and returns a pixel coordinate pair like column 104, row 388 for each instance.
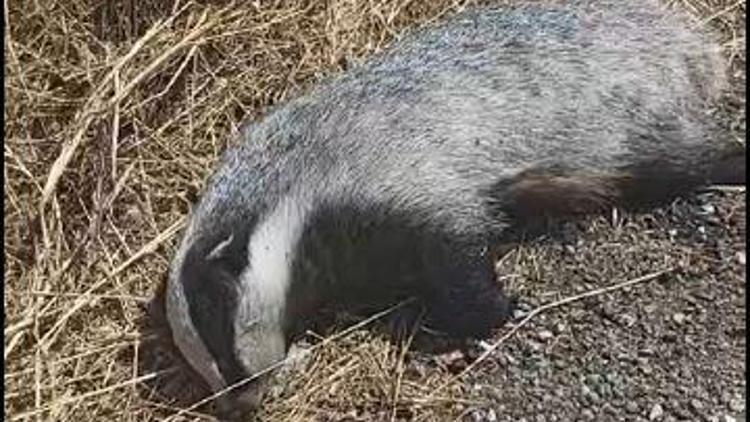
column 671, row 349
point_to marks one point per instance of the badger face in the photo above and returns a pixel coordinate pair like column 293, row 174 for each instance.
column 227, row 298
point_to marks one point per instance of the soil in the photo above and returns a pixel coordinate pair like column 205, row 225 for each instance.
column 669, row 349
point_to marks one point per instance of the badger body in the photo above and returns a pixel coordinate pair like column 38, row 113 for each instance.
column 397, row 176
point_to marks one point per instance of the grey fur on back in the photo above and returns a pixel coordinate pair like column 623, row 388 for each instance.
column 446, row 112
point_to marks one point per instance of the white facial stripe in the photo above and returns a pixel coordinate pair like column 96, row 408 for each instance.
column 271, row 250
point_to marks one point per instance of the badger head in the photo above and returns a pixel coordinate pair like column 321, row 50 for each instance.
column 226, row 300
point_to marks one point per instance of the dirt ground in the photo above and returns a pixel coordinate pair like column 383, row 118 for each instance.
column 115, row 113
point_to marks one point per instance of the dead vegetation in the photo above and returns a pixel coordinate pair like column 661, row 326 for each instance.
column 114, row 115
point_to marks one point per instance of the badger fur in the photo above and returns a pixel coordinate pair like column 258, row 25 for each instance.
column 400, row 174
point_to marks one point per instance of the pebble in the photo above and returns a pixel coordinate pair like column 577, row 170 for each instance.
column 588, row 415
column 708, row 209
column 519, row 313
column 696, row 405
column 679, row 317
column 534, row 346
column 740, row 256
column 491, row 415
column 679, row 410
column 545, row 335
column 736, row 405
column 656, row 412
column 632, row 407
column 728, row 418
column 628, row 320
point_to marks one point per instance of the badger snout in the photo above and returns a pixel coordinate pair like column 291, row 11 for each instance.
column 241, row 402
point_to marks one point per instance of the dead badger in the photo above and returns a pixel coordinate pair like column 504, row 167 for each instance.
column 398, row 175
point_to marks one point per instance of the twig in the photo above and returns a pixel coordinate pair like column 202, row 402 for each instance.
column 96, row 103
column 90, row 394
column 150, row 247
column 724, row 188
column 270, row 368
column 539, row 310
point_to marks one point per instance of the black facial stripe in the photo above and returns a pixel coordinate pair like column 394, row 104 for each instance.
column 211, row 290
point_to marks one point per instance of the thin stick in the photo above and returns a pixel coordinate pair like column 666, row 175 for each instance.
column 724, row 188
column 540, row 309
column 270, row 368
column 85, row 298
column 90, row 394
column 142, row 299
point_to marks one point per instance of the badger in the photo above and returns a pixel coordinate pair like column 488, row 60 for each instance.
column 399, row 175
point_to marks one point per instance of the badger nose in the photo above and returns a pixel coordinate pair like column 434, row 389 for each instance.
column 239, row 406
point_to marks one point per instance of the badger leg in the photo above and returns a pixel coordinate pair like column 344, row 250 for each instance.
column 467, row 301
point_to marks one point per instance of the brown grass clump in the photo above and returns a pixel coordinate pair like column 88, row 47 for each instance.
column 115, row 113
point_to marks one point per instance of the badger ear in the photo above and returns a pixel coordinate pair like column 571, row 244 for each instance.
column 221, row 249
column 229, row 253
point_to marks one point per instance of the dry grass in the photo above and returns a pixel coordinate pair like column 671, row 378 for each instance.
column 115, row 112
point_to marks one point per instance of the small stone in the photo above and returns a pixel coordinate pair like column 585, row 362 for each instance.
column 708, row 209
column 590, row 395
column 679, row 410
column 534, row 346
column 484, row 345
column 477, row 416
column 454, row 360
column 656, row 412
column 646, row 352
column 491, row 415
column 628, row 320
column 593, row 379
column 679, row 317
column 632, row 407
column 519, row 313
column 735, row 405
column 545, row 335
column 728, row 418
column 588, row 415
column 740, row 257
column 696, row 405
column 559, row 327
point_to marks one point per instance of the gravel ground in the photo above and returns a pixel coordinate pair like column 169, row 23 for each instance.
column 664, row 350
